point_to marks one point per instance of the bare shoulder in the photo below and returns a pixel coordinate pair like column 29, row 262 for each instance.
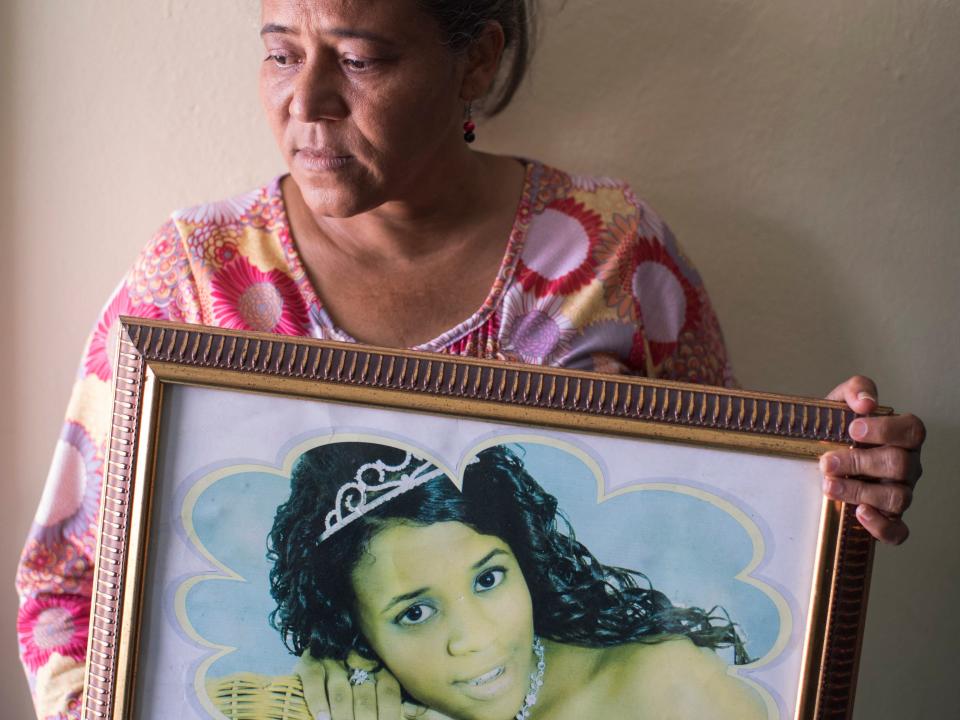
column 676, row 679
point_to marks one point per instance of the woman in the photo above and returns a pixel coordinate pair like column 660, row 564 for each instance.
column 390, row 229
column 479, row 602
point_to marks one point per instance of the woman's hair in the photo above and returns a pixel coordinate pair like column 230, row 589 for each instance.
column 576, row 599
column 461, row 22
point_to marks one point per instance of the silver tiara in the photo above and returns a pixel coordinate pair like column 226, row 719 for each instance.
column 357, row 498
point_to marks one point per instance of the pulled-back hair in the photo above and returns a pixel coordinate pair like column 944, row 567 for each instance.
column 461, row 22
column 576, row 599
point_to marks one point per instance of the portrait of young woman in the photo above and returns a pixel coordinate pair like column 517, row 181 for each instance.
column 441, row 175
column 476, row 602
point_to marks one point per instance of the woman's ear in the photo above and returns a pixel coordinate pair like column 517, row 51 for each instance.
column 483, row 60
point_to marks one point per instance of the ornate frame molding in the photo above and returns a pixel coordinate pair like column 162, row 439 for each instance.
column 152, row 353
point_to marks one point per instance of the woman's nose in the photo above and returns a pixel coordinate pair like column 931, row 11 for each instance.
column 317, row 94
column 471, row 628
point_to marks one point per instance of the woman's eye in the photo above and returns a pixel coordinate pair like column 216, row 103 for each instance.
column 357, row 65
column 416, row 614
column 489, row 579
column 281, row 59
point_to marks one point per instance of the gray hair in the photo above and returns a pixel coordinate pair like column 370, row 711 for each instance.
column 462, row 21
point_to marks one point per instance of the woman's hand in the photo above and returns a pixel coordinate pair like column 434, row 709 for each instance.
column 330, row 696
column 880, row 479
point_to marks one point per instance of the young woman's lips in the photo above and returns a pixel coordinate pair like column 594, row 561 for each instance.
column 488, row 685
column 322, row 160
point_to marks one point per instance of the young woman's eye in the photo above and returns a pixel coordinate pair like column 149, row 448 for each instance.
column 415, row 615
column 489, row 579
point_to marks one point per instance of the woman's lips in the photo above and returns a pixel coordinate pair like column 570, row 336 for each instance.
column 487, row 686
column 487, row 676
column 322, row 160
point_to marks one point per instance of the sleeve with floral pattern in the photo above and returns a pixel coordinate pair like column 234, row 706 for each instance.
column 55, row 575
column 682, row 336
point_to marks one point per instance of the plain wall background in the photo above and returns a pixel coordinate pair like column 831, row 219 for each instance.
column 806, row 154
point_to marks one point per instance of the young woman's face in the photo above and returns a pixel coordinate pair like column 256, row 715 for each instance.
column 363, row 98
column 449, row 613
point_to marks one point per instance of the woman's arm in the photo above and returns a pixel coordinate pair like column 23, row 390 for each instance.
column 55, row 575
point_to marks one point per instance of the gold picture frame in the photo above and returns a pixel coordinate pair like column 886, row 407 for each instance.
column 157, row 360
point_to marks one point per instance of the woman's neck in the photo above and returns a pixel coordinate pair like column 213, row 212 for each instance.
column 401, row 276
column 570, row 670
column 434, row 214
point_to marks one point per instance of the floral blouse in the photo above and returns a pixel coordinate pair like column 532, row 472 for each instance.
column 591, row 279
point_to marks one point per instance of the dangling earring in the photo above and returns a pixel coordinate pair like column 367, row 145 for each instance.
column 469, row 126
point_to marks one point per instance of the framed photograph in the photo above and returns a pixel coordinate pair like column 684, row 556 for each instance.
column 289, row 525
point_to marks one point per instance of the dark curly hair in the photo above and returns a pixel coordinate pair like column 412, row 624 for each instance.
column 576, row 599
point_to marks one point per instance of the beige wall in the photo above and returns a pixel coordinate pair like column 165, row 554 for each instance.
column 806, row 153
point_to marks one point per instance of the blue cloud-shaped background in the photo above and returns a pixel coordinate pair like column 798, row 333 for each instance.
column 694, row 561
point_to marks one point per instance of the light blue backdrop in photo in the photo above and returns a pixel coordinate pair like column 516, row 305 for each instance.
column 694, row 561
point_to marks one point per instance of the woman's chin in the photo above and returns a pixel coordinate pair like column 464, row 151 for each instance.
column 494, row 694
column 336, row 197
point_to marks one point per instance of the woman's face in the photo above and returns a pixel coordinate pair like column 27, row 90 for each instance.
column 448, row 612
column 363, row 98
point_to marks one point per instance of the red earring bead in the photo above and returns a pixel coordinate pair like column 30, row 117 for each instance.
column 468, row 128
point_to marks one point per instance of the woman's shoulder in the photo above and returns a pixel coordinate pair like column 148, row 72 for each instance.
column 262, row 206
column 605, row 195
column 202, row 260
column 596, row 218
column 249, row 695
column 674, row 677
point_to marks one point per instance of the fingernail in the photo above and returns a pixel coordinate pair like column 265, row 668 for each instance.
column 833, row 488
column 829, row 463
column 858, row 429
column 322, row 716
column 864, row 395
column 865, row 513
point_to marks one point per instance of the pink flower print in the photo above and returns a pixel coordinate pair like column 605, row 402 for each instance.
column 223, row 212
column 246, row 298
column 649, row 223
column 558, row 254
column 550, row 186
column 71, row 495
column 72, row 710
column 102, row 350
column 214, row 246
column 52, row 624
column 480, row 342
column 605, row 346
column 57, row 567
column 642, row 280
column 160, row 269
column 267, row 213
column 592, row 184
column 534, row 331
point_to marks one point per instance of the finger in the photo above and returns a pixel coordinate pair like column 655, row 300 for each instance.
column 339, row 691
column 365, row 701
column 906, row 431
column 892, row 531
column 313, row 678
column 388, row 696
column 883, row 463
column 859, row 392
column 412, row 711
column 892, row 498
